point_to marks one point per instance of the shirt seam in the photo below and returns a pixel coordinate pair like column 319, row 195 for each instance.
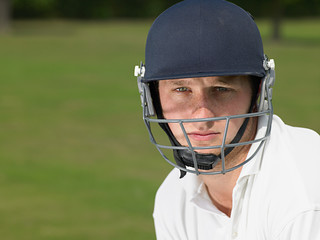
column 316, row 209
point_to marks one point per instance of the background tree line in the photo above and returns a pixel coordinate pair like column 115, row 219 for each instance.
column 105, row 9
column 108, row 9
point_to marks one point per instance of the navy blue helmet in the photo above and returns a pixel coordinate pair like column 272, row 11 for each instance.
column 198, row 38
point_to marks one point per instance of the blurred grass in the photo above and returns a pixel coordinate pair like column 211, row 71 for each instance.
column 297, row 56
column 75, row 159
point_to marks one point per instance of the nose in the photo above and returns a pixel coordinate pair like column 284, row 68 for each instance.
column 203, row 125
column 203, row 108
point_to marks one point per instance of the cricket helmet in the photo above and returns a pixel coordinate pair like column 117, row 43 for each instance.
column 201, row 38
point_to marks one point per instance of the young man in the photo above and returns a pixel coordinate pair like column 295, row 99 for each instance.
column 241, row 173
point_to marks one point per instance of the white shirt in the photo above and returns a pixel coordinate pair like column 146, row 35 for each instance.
column 277, row 195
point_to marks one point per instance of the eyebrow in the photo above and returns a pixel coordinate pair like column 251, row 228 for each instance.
column 229, row 80
column 179, row 82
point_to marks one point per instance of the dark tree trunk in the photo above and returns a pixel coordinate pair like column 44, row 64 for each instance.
column 5, row 14
column 276, row 19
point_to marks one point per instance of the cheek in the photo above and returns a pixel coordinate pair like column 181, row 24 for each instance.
column 176, row 130
column 242, row 106
column 175, row 113
column 173, row 108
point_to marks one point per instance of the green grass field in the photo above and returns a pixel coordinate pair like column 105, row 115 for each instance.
column 75, row 159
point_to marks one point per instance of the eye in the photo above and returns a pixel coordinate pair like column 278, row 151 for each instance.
column 221, row 89
column 182, row 89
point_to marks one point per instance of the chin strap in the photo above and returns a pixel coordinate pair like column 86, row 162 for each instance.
column 184, row 157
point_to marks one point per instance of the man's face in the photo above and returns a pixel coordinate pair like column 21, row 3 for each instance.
column 205, row 97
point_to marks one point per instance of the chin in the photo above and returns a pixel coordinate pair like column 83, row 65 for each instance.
column 215, row 151
column 209, row 151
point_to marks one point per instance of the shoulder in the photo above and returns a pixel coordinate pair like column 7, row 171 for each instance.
column 292, row 154
column 289, row 177
column 177, row 190
column 294, row 148
column 303, row 226
column 169, row 207
column 170, row 193
column 297, row 135
column 171, row 183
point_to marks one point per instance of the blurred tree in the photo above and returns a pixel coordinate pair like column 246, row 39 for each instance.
column 33, row 8
column 105, row 9
column 83, row 9
column 276, row 16
column 267, row 9
column 5, row 15
column 302, row 7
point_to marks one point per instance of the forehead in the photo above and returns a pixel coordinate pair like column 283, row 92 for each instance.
column 226, row 80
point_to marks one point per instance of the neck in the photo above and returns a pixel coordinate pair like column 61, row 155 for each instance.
column 220, row 187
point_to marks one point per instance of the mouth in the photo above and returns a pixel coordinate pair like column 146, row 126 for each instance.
column 203, row 136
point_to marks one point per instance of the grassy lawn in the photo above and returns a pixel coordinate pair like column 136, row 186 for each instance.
column 75, row 159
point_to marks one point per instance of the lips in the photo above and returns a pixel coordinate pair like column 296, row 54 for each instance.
column 203, row 136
